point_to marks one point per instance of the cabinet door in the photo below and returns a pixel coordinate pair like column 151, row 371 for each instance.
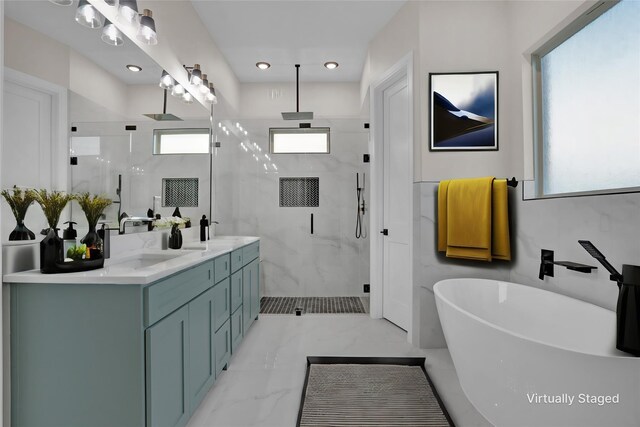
column 255, row 288
column 167, row 370
column 201, row 351
column 222, row 347
column 246, row 298
column 236, row 330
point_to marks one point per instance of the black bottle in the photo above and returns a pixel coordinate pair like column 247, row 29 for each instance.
column 204, row 223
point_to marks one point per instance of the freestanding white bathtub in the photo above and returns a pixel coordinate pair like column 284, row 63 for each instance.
column 529, row 357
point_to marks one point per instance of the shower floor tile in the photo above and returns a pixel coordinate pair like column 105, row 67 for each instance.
column 311, row 305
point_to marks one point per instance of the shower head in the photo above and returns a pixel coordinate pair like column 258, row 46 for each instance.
column 164, row 116
column 297, row 115
column 594, row 252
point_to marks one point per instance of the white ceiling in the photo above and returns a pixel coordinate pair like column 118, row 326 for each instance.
column 285, row 33
column 58, row 22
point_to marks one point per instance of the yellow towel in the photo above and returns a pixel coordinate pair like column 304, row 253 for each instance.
column 499, row 247
column 469, row 218
column 442, row 215
column 500, row 244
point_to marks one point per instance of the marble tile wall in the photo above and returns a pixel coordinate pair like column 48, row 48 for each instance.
column 329, row 262
column 130, row 154
column 610, row 222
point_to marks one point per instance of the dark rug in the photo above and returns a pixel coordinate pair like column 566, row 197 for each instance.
column 370, row 391
column 288, row 305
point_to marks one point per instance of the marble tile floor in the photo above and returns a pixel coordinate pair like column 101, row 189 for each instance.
column 263, row 383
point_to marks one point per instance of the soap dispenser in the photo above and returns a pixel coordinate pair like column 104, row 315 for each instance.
column 69, row 237
column 204, row 228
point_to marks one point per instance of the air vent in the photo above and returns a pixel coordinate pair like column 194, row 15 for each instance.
column 299, row 192
column 180, row 192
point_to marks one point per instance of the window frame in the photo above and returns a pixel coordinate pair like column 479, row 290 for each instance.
column 556, row 40
column 303, row 130
column 157, row 133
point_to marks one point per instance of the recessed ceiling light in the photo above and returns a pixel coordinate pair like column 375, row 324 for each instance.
column 263, row 65
column 331, row 65
column 134, row 68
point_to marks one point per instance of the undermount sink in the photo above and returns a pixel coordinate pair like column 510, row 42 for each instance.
column 211, row 244
column 143, row 260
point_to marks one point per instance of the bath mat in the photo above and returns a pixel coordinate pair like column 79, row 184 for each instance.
column 370, row 391
column 327, row 305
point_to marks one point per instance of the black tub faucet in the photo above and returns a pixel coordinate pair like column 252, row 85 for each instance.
column 628, row 307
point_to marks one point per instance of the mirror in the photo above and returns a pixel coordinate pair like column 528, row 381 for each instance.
column 104, row 100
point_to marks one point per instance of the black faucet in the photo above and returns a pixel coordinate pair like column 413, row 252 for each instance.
column 628, row 307
column 547, row 262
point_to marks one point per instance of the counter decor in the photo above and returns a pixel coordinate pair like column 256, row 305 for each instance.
column 93, row 206
column 51, row 247
column 19, row 200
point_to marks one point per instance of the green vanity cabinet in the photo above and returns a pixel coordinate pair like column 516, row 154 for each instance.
column 167, row 371
column 145, row 355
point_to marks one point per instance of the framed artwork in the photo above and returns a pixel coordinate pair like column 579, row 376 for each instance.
column 463, row 111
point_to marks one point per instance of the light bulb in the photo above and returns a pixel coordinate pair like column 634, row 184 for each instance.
column 166, row 81
column 187, row 98
column 128, row 9
column 111, row 35
column 204, row 86
column 87, row 16
column 178, row 90
column 196, row 75
column 211, row 96
column 147, row 29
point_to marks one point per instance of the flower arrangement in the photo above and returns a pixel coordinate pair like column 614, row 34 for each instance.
column 93, row 206
column 52, row 204
column 19, row 201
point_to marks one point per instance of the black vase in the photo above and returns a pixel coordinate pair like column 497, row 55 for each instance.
column 92, row 238
column 21, row 232
column 51, row 252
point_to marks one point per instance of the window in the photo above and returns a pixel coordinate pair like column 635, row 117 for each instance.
column 181, row 141
column 299, row 140
column 587, row 94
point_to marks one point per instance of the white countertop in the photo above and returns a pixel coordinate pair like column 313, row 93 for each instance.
column 129, row 268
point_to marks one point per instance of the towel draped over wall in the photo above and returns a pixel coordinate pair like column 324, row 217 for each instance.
column 473, row 220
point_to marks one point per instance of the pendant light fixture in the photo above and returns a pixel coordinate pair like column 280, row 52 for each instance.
column 111, row 35
column 187, row 98
column 128, row 9
column 88, row 16
column 166, row 81
column 177, row 90
column 211, row 97
column 196, row 75
column 204, row 87
column 147, row 29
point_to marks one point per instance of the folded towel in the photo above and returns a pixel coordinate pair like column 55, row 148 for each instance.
column 443, row 188
column 500, row 242
column 469, row 203
column 469, row 216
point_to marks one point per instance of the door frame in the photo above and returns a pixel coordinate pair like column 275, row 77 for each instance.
column 402, row 69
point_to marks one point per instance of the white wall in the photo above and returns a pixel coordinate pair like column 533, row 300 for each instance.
column 326, row 100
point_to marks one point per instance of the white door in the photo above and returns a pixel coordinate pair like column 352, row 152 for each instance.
column 26, row 151
column 397, row 215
